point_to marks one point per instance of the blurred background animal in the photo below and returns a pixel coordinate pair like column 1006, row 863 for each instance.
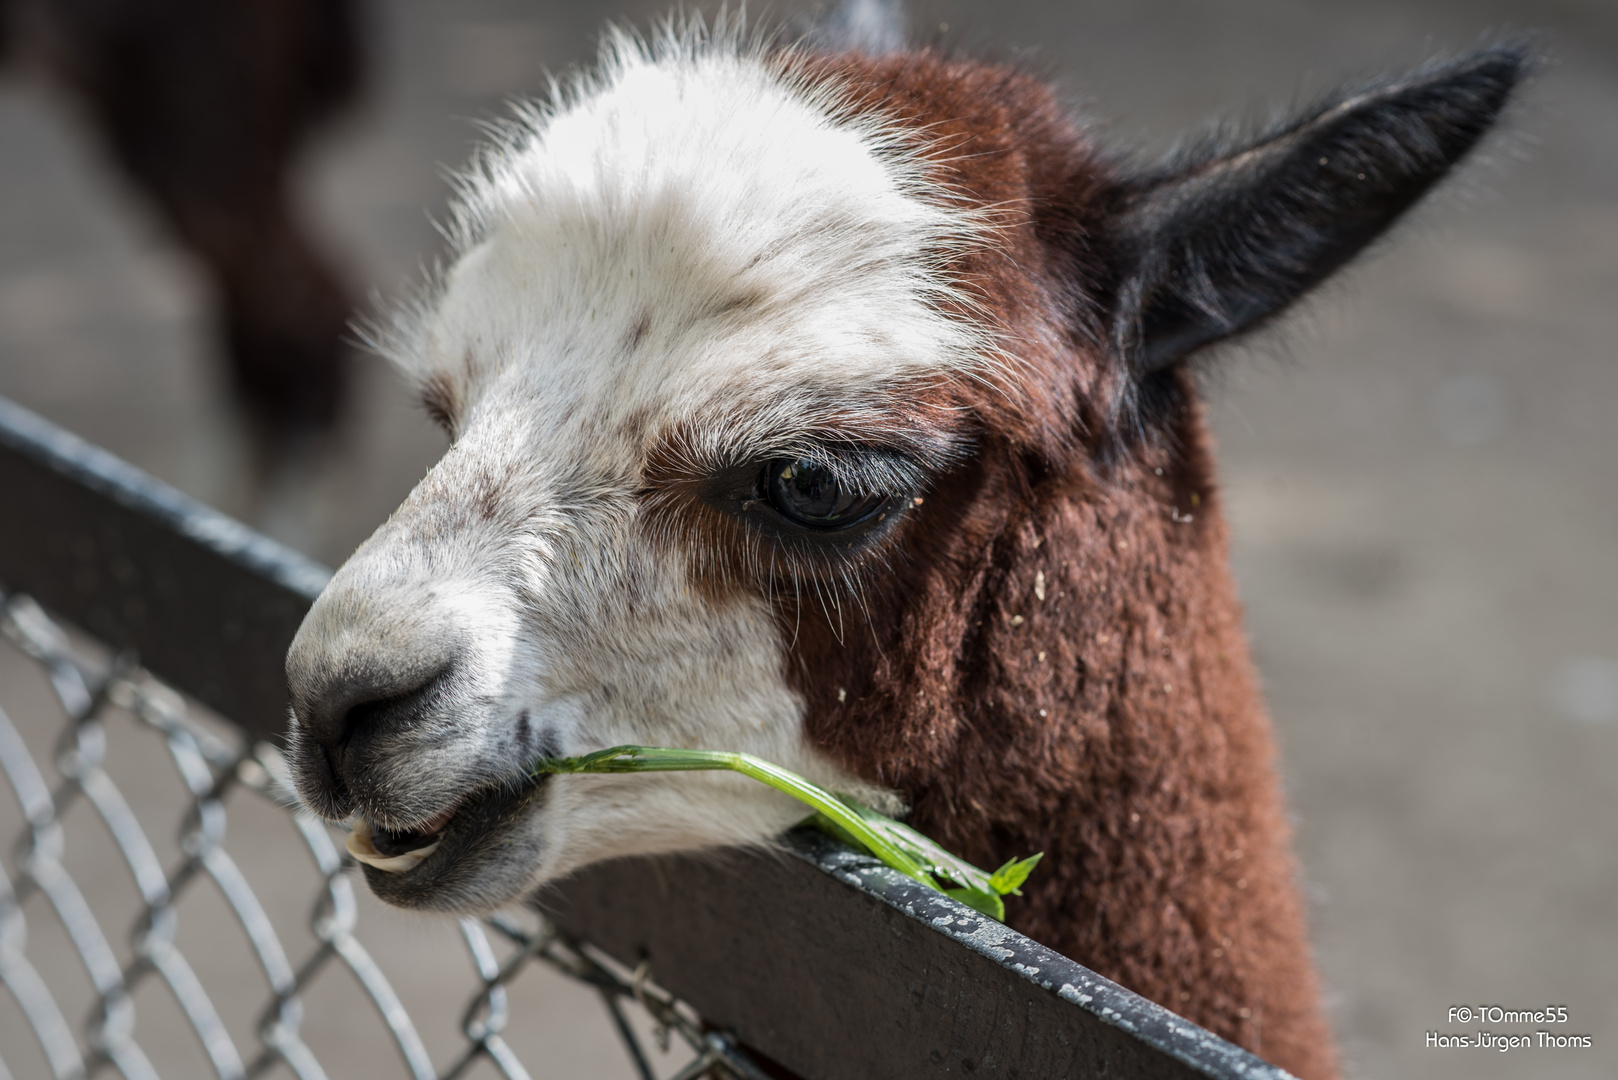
column 204, row 106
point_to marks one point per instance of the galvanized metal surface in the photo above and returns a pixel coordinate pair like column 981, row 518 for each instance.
column 836, row 966
column 820, row 958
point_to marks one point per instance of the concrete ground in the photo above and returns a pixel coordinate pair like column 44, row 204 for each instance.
column 1423, row 474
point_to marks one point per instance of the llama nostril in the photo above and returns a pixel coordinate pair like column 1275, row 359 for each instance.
column 327, row 764
column 389, row 706
column 347, row 714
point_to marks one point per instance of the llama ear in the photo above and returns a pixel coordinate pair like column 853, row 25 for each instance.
column 1228, row 236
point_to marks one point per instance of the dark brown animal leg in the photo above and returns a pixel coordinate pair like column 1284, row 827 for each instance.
column 204, row 105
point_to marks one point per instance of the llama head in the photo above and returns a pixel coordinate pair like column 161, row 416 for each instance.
column 728, row 339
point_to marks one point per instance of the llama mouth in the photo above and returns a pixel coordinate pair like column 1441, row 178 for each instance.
column 397, row 852
column 437, row 864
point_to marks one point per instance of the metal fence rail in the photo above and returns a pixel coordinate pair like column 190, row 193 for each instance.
column 821, row 961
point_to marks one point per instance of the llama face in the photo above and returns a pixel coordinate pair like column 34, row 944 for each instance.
column 718, row 322
column 694, row 355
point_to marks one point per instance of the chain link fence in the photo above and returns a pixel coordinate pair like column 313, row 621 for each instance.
column 215, row 767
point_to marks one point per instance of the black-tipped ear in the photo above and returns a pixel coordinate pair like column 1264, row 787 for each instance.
column 1228, row 236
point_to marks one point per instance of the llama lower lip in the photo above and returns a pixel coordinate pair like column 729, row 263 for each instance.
column 362, row 845
column 392, row 842
column 397, row 851
column 431, row 876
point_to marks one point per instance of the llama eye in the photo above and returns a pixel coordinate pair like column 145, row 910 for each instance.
column 808, row 494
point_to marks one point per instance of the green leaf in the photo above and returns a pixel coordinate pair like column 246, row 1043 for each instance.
column 986, row 903
column 895, row 843
column 1009, row 878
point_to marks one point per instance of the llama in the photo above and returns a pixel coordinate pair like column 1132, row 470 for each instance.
column 835, row 407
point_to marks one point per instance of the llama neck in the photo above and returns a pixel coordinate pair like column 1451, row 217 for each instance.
column 1079, row 684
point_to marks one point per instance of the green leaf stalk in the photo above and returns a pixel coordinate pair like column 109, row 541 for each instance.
column 895, row 843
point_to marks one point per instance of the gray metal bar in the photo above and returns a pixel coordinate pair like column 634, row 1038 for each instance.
column 834, row 965
column 817, row 957
column 209, row 605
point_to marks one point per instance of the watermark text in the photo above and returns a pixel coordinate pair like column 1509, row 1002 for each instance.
column 1545, row 1036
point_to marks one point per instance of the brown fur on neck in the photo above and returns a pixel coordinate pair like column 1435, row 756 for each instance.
column 1113, row 723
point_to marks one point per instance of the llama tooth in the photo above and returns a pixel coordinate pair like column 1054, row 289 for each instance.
column 396, row 864
column 364, row 850
column 359, row 842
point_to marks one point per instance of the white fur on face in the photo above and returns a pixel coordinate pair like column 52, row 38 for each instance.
column 695, row 241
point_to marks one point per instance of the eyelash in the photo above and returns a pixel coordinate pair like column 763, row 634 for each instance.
column 739, row 492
